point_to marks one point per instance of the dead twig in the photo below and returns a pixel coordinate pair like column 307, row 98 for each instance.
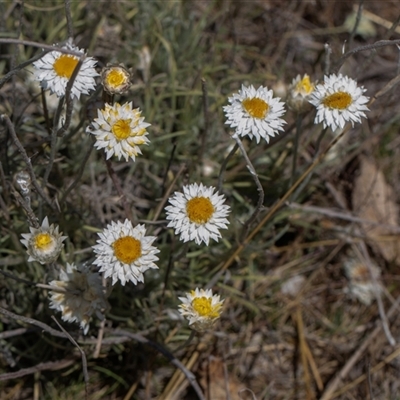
column 373, row 46
column 329, row 392
column 52, row 365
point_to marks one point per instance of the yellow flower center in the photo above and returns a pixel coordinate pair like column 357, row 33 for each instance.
column 199, row 210
column 257, row 108
column 64, row 65
column 115, row 78
column 202, row 305
column 305, row 85
column 338, row 100
column 127, row 249
column 122, row 129
column 43, row 241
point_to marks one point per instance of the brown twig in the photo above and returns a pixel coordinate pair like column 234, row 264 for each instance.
column 100, row 336
column 52, row 365
column 373, row 46
column 343, row 373
column 347, row 216
column 14, row 332
column 361, row 378
column 298, row 320
column 32, row 321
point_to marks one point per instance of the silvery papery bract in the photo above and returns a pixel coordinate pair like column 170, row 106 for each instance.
column 197, row 214
column 124, row 253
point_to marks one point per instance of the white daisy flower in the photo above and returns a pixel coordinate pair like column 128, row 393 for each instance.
column 299, row 93
column 197, row 213
column 43, row 244
column 201, row 308
column 361, row 286
column 338, row 100
column 81, row 295
column 120, row 130
column 124, row 252
column 55, row 69
column 116, row 79
column 255, row 113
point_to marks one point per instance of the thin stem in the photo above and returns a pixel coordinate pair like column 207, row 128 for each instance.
column 223, row 167
column 32, row 321
column 4, row 185
column 79, row 174
column 167, row 193
column 39, row 285
column 32, row 219
column 384, row 319
column 45, row 110
column 366, row 64
column 100, row 336
column 16, row 50
column 83, row 356
column 318, row 142
column 69, row 18
column 41, row 46
column 26, row 160
column 299, row 120
column 19, row 67
column 187, row 342
column 260, row 189
column 68, row 98
column 206, row 119
column 188, row 374
column 171, row 158
column 357, row 23
column 328, row 52
column 53, row 143
column 346, row 216
column 16, row 278
column 51, row 365
column 376, row 45
column 117, row 184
